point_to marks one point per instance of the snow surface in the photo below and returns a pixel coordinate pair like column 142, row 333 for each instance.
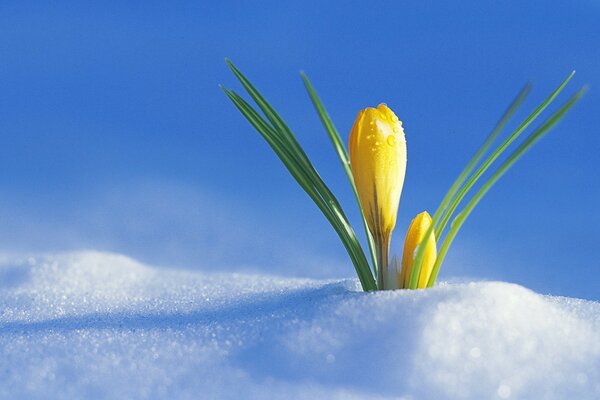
column 96, row 325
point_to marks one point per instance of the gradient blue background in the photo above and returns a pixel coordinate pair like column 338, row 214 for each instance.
column 115, row 136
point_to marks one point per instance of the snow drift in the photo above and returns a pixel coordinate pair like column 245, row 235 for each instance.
column 95, row 325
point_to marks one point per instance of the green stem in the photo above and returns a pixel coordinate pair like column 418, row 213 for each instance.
column 382, row 250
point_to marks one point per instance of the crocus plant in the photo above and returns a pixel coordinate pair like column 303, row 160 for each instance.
column 376, row 166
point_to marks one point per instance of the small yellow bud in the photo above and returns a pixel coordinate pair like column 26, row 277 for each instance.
column 415, row 235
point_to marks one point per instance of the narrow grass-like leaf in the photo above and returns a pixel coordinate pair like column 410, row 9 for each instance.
column 333, row 133
column 497, row 153
column 286, row 134
column 284, row 144
column 464, row 189
column 280, row 126
column 526, row 145
column 335, row 219
column 342, row 153
column 480, row 153
column 439, row 213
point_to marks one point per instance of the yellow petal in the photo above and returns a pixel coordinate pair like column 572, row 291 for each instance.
column 378, row 160
column 416, row 232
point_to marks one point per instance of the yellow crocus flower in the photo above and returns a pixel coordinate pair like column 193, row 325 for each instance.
column 378, row 161
column 415, row 235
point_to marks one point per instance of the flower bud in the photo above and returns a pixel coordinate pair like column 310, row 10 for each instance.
column 378, row 161
column 415, row 235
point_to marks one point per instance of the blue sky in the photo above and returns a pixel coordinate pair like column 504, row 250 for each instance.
column 115, row 136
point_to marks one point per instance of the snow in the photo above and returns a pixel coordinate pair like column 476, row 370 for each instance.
column 98, row 326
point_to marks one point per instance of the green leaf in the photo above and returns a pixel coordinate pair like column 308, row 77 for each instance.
column 518, row 153
column 336, row 140
column 286, row 135
column 463, row 191
column 479, row 154
column 459, row 190
column 289, row 151
column 340, row 149
column 512, row 108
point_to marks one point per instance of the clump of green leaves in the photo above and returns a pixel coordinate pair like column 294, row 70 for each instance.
column 283, row 142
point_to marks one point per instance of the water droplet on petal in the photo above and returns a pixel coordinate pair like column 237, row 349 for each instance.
column 391, row 140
